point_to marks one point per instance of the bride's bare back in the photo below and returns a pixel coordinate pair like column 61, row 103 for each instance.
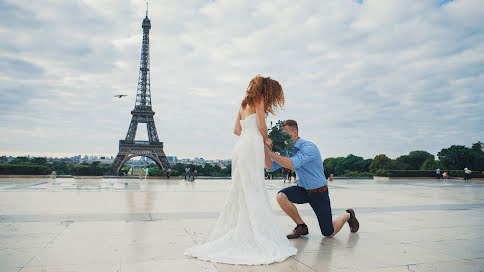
column 258, row 110
column 246, row 112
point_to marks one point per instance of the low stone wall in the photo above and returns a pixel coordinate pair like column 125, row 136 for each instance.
column 160, row 177
column 83, row 177
column 27, row 176
column 377, row 178
column 124, row 177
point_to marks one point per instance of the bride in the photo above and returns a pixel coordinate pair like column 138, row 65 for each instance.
column 246, row 231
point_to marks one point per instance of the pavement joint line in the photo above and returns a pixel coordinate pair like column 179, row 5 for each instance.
column 128, row 217
column 292, row 257
column 39, row 183
column 31, row 259
column 191, row 236
column 38, row 251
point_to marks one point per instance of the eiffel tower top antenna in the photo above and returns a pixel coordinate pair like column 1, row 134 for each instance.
column 146, row 9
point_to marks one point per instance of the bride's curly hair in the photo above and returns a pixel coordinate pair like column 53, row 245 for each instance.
column 264, row 88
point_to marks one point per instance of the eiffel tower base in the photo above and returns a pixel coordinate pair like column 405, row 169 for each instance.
column 127, row 151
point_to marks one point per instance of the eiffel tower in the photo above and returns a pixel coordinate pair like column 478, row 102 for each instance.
column 142, row 113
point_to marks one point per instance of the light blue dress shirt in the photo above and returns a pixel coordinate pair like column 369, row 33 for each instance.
column 308, row 165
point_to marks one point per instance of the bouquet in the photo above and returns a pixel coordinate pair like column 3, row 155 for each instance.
column 282, row 142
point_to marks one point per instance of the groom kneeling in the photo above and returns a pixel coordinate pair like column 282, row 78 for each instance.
column 311, row 186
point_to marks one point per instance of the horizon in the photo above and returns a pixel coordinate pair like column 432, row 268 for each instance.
column 64, row 155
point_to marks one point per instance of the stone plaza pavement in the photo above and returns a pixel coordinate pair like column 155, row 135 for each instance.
column 104, row 225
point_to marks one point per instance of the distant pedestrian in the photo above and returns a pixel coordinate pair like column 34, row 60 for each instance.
column 467, row 174
column 293, row 176
column 168, row 173
column 437, row 173
column 284, row 174
column 187, row 172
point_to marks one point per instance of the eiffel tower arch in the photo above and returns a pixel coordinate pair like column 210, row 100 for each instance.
column 142, row 113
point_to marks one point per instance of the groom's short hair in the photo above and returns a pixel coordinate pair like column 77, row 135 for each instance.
column 292, row 124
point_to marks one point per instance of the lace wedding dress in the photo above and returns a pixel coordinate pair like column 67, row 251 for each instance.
column 246, row 231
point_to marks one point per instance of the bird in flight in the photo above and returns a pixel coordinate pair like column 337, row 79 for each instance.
column 120, row 95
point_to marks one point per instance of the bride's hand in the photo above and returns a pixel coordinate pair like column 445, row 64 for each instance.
column 267, row 149
column 268, row 142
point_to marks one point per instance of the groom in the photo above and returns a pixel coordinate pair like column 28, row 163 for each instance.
column 311, row 186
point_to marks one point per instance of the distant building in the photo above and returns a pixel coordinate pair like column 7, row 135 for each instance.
column 172, row 159
column 76, row 158
column 3, row 160
column 200, row 161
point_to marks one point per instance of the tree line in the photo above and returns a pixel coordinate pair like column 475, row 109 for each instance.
column 40, row 166
column 456, row 157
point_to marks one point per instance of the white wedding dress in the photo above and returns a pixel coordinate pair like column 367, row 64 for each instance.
column 246, row 231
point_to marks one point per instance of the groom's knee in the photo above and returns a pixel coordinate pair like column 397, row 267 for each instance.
column 281, row 198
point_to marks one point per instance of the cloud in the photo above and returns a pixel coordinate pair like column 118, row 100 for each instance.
column 362, row 77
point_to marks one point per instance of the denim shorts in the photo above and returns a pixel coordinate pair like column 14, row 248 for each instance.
column 319, row 202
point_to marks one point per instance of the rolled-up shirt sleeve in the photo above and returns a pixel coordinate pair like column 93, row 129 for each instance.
column 275, row 166
column 305, row 154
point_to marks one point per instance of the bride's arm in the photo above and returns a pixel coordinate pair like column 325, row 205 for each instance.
column 261, row 118
column 237, row 127
column 267, row 159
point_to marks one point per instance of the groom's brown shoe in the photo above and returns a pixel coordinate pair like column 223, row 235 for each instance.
column 298, row 231
column 353, row 222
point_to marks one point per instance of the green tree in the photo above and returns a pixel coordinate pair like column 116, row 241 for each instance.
column 39, row 161
column 351, row 163
column 342, row 165
column 60, row 167
column 430, row 164
column 456, row 157
column 413, row 161
column 403, row 163
column 367, row 164
column 478, row 147
column 227, row 171
column 477, row 151
column 381, row 162
column 20, row 160
column 93, row 169
column 418, row 157
column 27, row 161
column 330, row 165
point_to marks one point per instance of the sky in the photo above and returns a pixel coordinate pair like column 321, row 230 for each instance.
column 360, row 77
